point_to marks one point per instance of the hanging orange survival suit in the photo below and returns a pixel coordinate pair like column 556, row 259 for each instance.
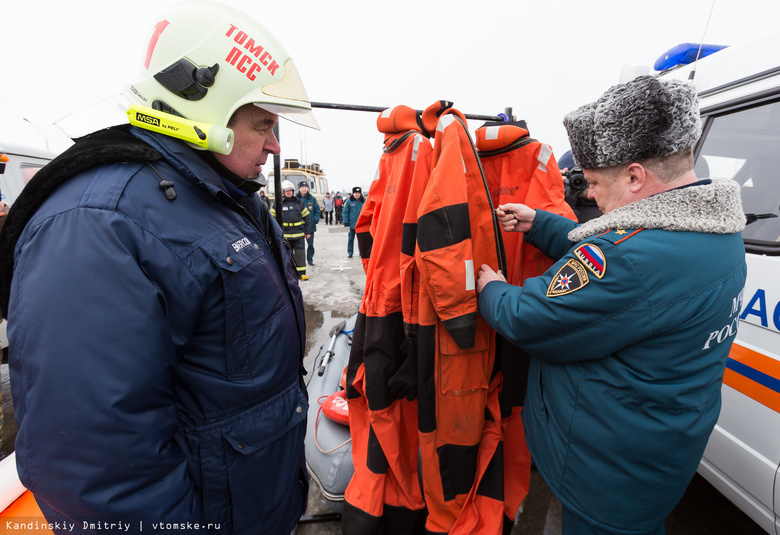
column 458, row 408
column 384, row 495
column 518, row 169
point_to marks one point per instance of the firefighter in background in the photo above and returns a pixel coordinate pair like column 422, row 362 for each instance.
column 296, row 219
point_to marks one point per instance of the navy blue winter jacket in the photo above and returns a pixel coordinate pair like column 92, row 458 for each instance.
column 156, row 353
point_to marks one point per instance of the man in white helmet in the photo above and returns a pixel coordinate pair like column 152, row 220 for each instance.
column 157, row 323
column 297, row 226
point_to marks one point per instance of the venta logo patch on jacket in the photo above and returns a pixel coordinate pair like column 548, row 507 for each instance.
column 238, row 245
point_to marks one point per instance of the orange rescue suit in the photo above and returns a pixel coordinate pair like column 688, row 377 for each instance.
column 384, row 495
column 459, row 417
column 518, row 169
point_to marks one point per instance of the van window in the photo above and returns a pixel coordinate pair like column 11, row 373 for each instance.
column 743, row 145
column 28, row 171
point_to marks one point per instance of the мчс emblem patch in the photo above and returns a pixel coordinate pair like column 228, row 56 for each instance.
column 593, row 258
column 571, row 277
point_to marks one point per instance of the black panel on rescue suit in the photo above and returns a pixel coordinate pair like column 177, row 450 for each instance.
column 518, row 169
column 459, row 416
column 384, row 495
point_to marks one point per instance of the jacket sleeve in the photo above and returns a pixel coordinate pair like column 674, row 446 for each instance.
column 315, row 216
column 93, row 342
column 345, row 213
column 306, row 219
column 549, row 233
column 569, row 315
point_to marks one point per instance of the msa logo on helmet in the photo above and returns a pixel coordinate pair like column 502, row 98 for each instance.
column 244, row 62
column 148, row 119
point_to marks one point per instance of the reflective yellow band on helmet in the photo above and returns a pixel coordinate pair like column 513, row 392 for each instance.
column 208, row 136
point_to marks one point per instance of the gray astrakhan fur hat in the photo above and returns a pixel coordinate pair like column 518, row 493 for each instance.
column 630, row 122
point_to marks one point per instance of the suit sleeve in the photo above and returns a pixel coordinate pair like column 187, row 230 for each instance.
column 365, row 227
column 445, row 253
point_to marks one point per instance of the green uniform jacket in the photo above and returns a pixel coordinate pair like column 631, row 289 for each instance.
column 629, row 333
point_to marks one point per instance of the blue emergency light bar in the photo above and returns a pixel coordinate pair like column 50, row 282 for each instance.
column 684, row 54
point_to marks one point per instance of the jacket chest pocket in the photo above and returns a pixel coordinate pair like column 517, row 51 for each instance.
column 254, row 295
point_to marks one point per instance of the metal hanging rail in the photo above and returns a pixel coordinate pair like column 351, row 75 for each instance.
column 504, row 117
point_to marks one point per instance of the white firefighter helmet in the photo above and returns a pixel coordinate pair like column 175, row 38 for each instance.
column 204, row 60
column 286, row 184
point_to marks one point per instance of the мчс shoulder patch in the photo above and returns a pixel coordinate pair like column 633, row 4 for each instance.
column 571, row 277
column 593, row 258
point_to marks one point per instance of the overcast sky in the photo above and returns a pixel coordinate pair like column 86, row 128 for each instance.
column 541, row 58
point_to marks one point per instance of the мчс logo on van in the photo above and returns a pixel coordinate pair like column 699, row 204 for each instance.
column 762, row 310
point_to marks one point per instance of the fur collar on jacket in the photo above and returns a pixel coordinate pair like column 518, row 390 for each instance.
column 712, row 208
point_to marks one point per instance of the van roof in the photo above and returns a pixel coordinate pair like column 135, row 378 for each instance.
column 732, row 68
column 9, row 147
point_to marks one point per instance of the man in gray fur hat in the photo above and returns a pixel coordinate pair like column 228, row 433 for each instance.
column 630, row 330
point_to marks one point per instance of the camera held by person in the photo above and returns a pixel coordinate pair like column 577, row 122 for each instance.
column 574, row 184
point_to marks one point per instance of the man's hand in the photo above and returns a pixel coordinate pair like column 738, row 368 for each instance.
column 486, row 275
column 515, row 217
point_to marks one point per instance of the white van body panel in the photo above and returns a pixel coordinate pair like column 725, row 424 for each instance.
column 740, row 94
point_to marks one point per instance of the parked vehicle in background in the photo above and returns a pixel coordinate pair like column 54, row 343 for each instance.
column 18, row 164
column 739, row 89
column 295, row 171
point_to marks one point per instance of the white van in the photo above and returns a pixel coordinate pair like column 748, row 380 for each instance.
column 18, row 164
column 740, row 106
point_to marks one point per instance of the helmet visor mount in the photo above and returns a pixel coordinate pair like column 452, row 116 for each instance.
column 300, row 116
column 284, row 95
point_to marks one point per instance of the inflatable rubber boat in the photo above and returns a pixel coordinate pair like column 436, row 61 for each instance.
column 328, row 442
